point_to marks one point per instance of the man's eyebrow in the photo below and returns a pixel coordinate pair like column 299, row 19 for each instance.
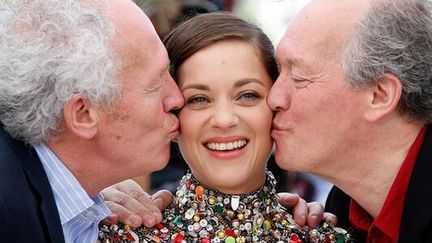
column 295, row 60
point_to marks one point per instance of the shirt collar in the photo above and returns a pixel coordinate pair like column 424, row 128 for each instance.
column 70, row 196
column 389, row 218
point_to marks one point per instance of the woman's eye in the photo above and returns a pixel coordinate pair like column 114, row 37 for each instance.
column 250, row 96
column 196, row 100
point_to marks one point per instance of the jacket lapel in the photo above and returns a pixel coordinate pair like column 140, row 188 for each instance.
column 417, row 212
column 39, row 181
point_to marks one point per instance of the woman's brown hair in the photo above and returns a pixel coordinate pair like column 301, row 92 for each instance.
column 206, row 29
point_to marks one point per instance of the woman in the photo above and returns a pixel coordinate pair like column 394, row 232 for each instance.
column 225, row 68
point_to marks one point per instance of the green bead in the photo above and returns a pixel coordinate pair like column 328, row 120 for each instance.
column 230, row 239
column 177, row 219
column 340, row 238
column 218, row 208
column 279, row 226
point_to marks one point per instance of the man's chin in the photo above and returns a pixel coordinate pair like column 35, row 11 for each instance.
column 284, row 161
column 161, row 163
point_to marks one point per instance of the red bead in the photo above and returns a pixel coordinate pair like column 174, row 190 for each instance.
column 230, row 233
column 160, row 226
column 295, row 239
column 188, row 184
column 201, row 214
column 179, row 238
column 205, row 240
column 199, row 198
column 130, row 237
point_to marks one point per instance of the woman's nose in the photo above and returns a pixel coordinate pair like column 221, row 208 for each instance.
column 224, row 116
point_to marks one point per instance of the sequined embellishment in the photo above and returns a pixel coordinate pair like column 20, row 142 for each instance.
column 200, row 214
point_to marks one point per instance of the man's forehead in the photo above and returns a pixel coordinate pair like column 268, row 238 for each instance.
column 327, row 15
column 285, row 52
column 125, row 12
column 322, row 27
column 297, row 45
column 132, row 28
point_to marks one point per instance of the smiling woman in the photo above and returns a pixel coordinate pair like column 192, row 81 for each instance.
column 220, row 109
column 225, row 68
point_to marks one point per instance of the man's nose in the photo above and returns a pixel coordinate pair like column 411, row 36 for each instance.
column 174, row 98
column 279, row 97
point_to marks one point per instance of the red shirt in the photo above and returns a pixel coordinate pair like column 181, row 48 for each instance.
column 385, row 228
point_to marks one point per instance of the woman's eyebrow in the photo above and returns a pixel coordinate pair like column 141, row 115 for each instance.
column 246, row 81
column 196, row 86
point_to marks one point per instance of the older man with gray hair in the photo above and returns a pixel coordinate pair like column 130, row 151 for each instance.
column 85, row 102
column 353, row 104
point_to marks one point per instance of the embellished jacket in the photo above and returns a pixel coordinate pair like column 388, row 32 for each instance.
column 201, row 214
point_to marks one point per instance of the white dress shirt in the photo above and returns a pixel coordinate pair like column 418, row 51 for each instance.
column 79, row 214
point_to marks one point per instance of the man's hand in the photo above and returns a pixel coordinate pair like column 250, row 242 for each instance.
column 305, row 213
column 131, row 205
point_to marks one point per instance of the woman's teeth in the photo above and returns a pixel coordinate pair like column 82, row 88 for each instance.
column 227, row 146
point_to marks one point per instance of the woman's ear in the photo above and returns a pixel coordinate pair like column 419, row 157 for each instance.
column 81, row 117
column 384, row 97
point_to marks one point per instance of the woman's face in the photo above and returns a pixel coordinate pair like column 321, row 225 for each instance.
column 226, row 123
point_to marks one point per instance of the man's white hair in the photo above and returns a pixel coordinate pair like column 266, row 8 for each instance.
column 49, row 51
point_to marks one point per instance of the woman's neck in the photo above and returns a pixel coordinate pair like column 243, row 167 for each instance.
column 247, row 185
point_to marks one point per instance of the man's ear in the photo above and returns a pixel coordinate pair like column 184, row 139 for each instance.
column 81, row 117
column 384, row 97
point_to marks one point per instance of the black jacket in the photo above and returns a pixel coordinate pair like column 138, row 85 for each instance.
column 28, row 212
column 416, row 223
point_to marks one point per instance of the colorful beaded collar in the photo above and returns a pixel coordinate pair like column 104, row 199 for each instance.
column 202, row 214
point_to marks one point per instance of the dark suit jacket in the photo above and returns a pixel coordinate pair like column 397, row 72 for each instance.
column 28, row 212
column 416, row 224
